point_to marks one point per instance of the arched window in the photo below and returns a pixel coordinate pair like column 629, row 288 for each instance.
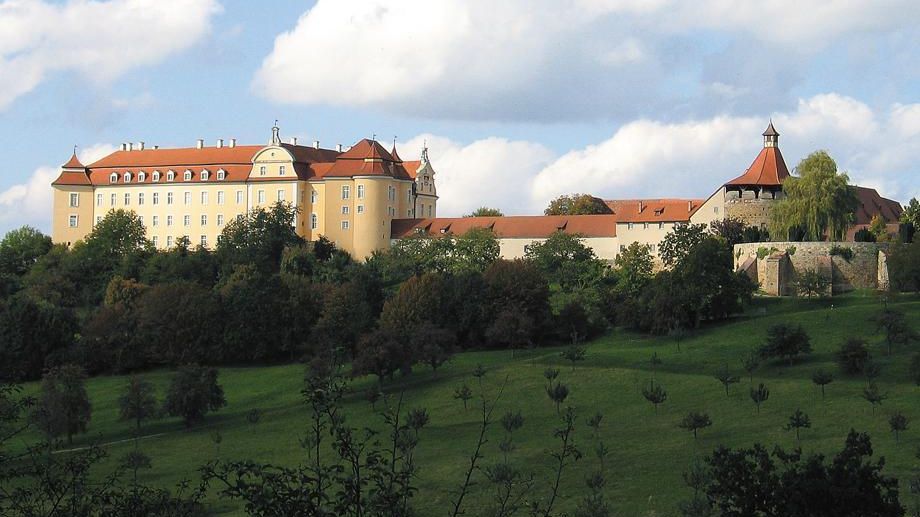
column 156, row 176
column 142, row 176
column 113, row 178
column 170, row 176
column 188, row 175
column 127, row 177
column 221, row 174
column 205, row 175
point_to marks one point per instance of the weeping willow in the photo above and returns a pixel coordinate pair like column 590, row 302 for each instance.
column 818, row 202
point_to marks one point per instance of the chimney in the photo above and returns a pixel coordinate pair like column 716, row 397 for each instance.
column 233, row 142
column 220, row 143
column 293, row 140
column 640, row 206
column 130, row 146
column 156, row 147
column 200, row 144
column 124, row 146
column 140, row 145
column 338, row 147
column 316, row 144
column 689, row 206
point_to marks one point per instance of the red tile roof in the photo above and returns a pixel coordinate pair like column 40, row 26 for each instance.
column 534, row 227
column 73, row 173
column 73, row 163
column 769, row 169
column 412, row 168
column 367, row 158
column 653, row 210
column 872, row 204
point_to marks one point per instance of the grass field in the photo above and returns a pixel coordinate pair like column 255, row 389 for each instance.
column 648, row 450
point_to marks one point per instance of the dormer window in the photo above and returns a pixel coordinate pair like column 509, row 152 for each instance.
column 187, row 176
column 171, row 176
column 142, row 176
column 156, row 176
column 205, row 175
column 221, row 175
column 127, row 177
column 113, row 178
column 281, row 170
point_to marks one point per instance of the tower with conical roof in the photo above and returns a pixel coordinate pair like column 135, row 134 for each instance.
column 750, row 196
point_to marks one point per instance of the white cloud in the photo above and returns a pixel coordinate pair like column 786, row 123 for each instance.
column 538, row 59
column 30, row 202
column 647, row 158
column 99, row 40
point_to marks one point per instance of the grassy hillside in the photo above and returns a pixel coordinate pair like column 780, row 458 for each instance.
column 648, row 450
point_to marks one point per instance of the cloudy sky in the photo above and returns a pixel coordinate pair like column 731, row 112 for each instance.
column 518, row 100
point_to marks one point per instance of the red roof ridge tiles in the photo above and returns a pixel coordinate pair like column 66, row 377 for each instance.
column 654, row 210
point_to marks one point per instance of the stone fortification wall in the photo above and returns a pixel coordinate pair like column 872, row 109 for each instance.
column 754, row 212
column 864, row 270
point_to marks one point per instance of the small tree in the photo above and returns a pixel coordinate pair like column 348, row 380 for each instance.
column 694, row 421
column 898, row 423
column 822, row 378
column 138, row 403
column 551, row 374
column 727, row 378
column 750, row 363
column 63, row 407
column 873, row 395
column 798, row 420
column 853, row 356
column 811, row 284
column 760, row 395
column 894, row 324
column 573, row 353
column 557, row 393
column 193, row 392
column 465, row 394
column 655, row 394
column 785, row 341
column 595, row 424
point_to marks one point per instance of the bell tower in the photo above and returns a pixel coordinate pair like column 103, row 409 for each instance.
column 770, row 136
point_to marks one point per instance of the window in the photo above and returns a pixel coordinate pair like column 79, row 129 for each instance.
column 187, row 176
column 220, row 219
column 205, row 175
column 140, row 219
column 74, row 200
column 345, row 210
column 98, row 199
column 281, row 170
column 314, row 195
column 156, row 241
column 629, row 226
column 360, row 209
column 645, row 226
column 169, row 198
column 156, row 176
column 156, row 220
column 72, row 221
column 360, row 191
column 127, row 177
column 346, row 191
column 188, row 198
column 204, row 220
column 140, row 198
column 170, row 176
column 204, row 241
column 220, row 197
column 280, row 195
column 391, row 193
column 221, row 175
column 345, row 225
column 127, row 199
column 142, row 176
column 156, row 198
column 652, row 248
column 113, row 178
column 98, row 219
column 169, row 241
column 204, row 198
column 262, row 171
column 408, row 213
column 186, row 220
column 715, row 209
column 429, row 210
column 239, row 196
column 314, row 222
column 169, row 220
column 261, row 196
column 660, row 226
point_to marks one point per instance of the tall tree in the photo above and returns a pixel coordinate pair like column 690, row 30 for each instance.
column 138, row 403
column 577, row 204
column 258, row 238
column 818, row 201
column 679, row 242
column 193, row 392
column 786, row 342
column 63, row 407
column 21, row 248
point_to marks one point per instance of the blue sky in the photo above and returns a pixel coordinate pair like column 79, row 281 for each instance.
column 519, row 101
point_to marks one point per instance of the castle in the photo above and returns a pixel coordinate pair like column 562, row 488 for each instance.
column 365, row 197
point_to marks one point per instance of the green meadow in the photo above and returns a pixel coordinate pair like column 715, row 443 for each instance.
column 648, row 452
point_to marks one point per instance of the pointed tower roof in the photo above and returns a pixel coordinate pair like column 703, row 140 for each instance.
column 770, row 131
column 73, row 173
column 769, row 168
column 74, row 162
column 395, row 155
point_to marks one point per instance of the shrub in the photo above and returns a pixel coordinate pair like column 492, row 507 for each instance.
column 811, row 284
column 853, row 356
column 842, row 252
column 786, row 342
column 864, row 235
